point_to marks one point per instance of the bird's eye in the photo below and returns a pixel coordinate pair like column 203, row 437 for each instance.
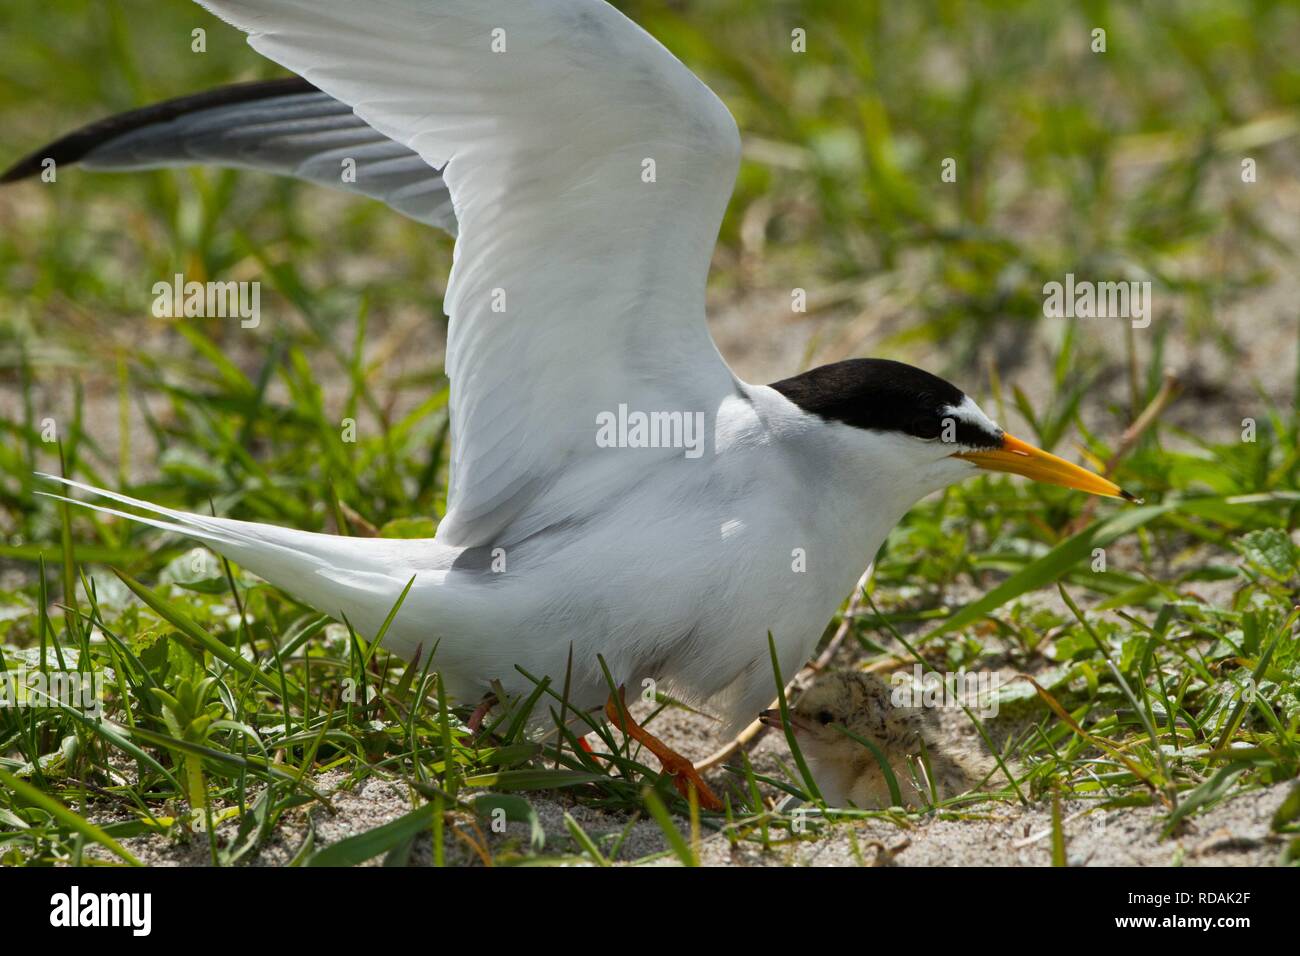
column 824, row 717
column 924, row 427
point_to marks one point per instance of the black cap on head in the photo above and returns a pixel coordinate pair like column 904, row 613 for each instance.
column 883, row 395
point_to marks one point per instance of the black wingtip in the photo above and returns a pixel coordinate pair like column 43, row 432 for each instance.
column 75, row 146
column 26, row 167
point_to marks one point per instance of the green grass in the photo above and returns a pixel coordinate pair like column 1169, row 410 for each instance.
column 1170, row 679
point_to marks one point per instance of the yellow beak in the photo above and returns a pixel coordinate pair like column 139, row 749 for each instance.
column 1021, row 458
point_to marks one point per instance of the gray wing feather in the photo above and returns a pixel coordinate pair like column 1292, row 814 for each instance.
column 286, row 128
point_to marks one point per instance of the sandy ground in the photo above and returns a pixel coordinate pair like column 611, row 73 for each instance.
column 1234, row 833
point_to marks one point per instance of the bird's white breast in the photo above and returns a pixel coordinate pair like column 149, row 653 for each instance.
column 676, row 573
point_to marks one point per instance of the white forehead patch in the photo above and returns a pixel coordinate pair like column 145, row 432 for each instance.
column 971, row 414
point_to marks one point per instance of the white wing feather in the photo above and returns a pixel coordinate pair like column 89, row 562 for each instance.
column 579, row 279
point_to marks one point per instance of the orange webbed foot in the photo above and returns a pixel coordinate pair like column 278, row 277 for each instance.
column 685, row 776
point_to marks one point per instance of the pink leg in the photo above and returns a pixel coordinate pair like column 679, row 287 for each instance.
column 476, row 718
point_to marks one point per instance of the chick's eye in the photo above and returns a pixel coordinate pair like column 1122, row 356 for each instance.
column 824, row 717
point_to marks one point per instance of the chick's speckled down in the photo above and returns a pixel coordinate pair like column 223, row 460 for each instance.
column 848, row 774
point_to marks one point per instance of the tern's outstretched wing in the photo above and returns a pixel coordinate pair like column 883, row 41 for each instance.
column 278, row 126
column 589, row 171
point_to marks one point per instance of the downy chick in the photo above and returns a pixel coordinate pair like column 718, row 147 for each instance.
column 847, row 773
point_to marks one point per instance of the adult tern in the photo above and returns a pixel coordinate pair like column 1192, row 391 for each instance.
column 616, row 492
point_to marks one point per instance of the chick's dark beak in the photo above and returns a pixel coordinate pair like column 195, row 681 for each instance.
column 772, row 718
column 1021, row 458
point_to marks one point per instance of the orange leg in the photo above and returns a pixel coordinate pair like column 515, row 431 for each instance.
column 684, row 773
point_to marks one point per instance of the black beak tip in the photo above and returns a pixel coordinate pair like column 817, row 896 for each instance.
column 1128, row 496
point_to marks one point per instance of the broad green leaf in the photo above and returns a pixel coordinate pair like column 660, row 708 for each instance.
column 511, row 807
column 533, row 779
column 357, row 849
column 1271, row 550
column 1052, row 565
